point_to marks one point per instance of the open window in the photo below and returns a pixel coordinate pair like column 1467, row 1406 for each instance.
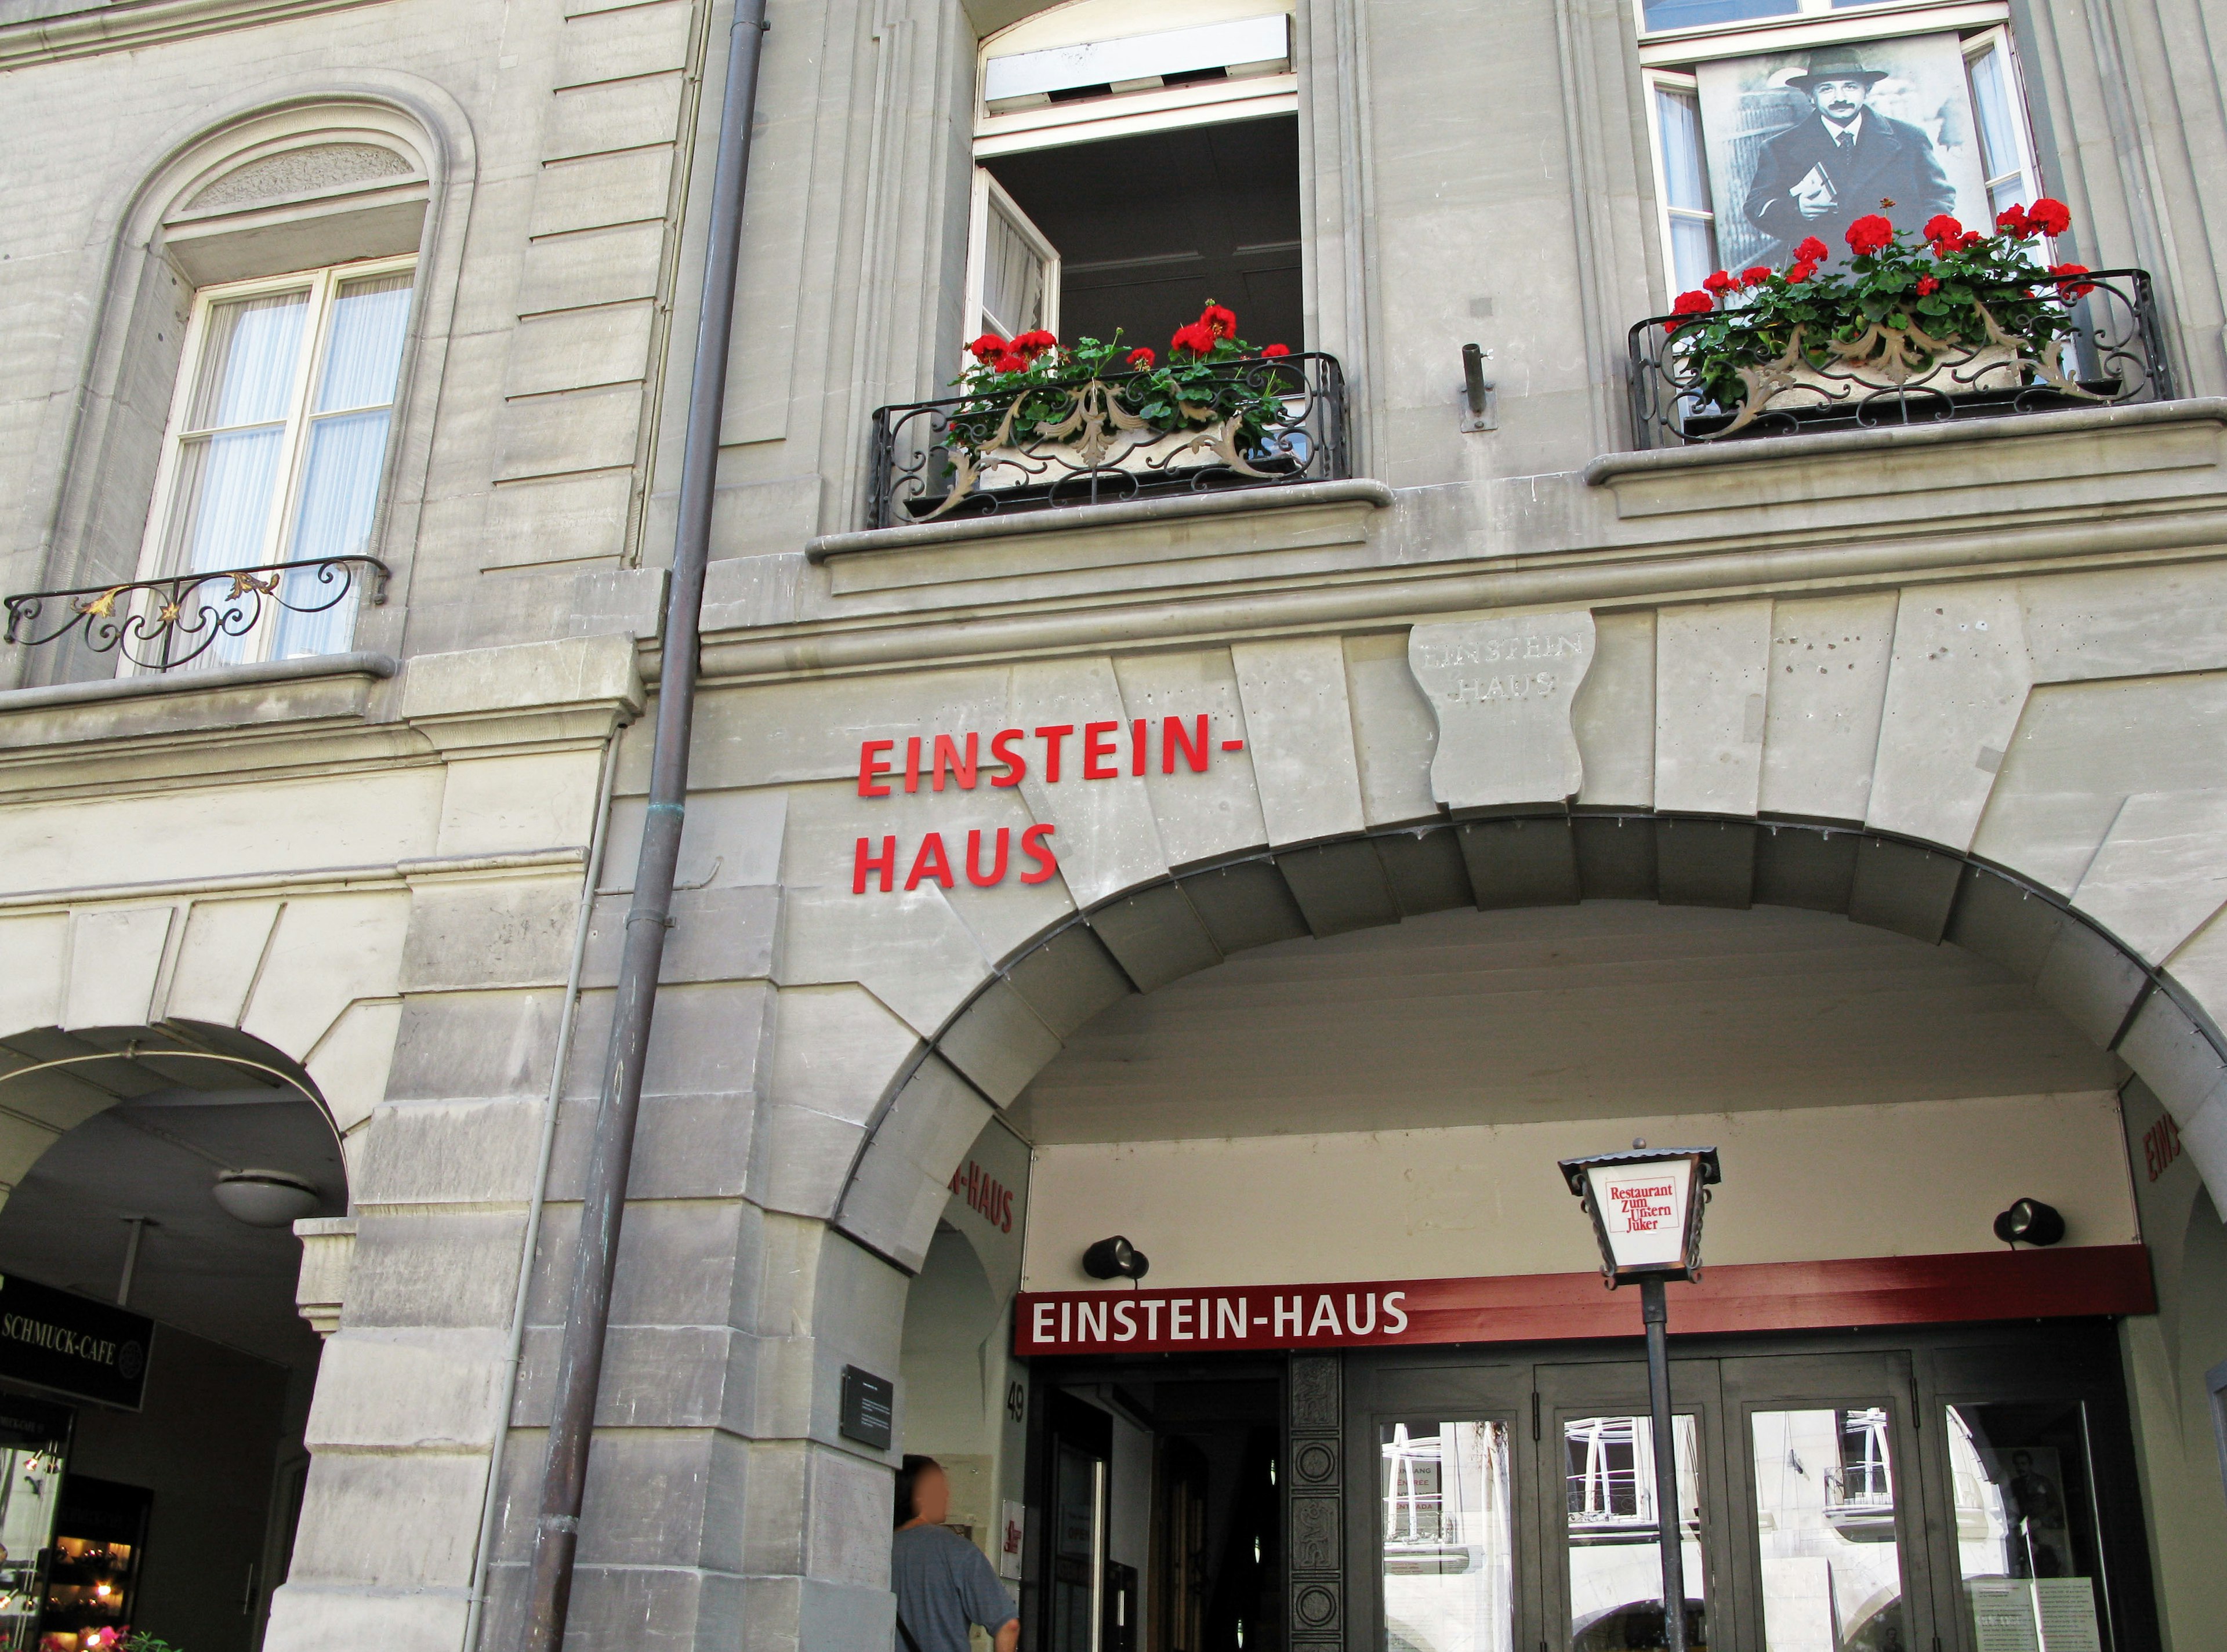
column 1134, row 161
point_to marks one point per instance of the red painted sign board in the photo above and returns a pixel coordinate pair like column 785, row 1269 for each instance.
column 2076, row 1282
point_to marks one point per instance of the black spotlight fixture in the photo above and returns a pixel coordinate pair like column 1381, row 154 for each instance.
column 1115, row 1258
column 2030, row 1222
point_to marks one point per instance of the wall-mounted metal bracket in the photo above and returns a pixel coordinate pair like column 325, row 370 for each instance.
column 1480, row 407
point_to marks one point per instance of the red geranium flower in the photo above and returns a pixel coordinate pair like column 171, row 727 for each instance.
column 1869, row 233
column 1011, row 363
column 1034, row 343
column 1801, row 271
column 1756, row 276
column 988, row 348
column 1220, row 321
column 1942, row 227
column 1927, row 285
column 1275, row 351
column 1141, row 356
column 2012, row 221
column 1196, row 337
column 2072, row 289
column 1720, row 283
column 1812, row 250
column 1692, row 304
column 2050, row 217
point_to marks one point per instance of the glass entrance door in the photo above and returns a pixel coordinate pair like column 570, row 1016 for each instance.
column 1603, row 1557
column 1839, row 1494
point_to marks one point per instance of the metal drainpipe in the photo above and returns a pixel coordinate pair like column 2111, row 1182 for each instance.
column 588, row 1310
column 491, row 1501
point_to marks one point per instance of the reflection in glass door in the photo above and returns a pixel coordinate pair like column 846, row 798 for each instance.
column 1448, row 1538
column 2032, row 1572
column 1826, row 1537
column 1613, row 1494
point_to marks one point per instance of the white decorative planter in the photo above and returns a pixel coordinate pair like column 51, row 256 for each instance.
column 1990, row 368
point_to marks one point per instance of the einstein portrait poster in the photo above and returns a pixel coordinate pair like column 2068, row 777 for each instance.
column 1802, row 143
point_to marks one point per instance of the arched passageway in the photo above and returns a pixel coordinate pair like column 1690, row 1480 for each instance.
column 1386, row 1103
column 159, row 1379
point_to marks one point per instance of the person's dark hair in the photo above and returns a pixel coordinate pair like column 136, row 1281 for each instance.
column 908, row 1476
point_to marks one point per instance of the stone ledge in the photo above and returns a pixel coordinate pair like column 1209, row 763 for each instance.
column 254, row 702
column 1124, row 513
column 192, row 682
column 1610, row 467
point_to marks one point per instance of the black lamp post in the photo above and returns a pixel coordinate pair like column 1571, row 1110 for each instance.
column 1646, row 1207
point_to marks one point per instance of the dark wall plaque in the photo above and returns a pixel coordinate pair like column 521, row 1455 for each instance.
column 869, row 1407
column 71, row 1343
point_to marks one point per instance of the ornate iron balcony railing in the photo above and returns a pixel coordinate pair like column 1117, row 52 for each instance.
column 2114, row 353
column 161, row 624
column 1097, row 451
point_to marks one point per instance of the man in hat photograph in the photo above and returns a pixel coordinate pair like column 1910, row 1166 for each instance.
column 1823, row 173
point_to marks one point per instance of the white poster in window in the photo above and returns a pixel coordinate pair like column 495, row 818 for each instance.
column 1011, row 1528
column 2065, row 1610
column 1804, row 143
column 2002, row 1615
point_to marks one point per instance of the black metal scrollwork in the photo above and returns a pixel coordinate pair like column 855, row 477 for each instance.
column 2112, row 353
column 965, row 455
column 161, row 624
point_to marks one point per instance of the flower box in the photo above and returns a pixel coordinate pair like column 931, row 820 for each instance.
column 1977, row 320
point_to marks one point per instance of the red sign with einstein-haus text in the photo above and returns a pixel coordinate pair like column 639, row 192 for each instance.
column 2077, row 1281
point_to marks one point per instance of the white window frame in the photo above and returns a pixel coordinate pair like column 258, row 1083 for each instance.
column 1673, row 80
column 989, row 192
column 323, row 285
column 1976, row 47
column 1804, row 30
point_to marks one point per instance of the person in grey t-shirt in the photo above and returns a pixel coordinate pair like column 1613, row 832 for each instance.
column 943, row 1582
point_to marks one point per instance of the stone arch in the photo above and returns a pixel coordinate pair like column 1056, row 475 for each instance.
column 307, row 171
column 303, row 982
column 1155, row 932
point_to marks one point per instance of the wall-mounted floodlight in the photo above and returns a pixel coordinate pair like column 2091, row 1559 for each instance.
column 2029, row 1222
column 1115, row 1258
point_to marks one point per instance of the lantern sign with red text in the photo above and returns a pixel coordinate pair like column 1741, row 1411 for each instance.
column 1646, row 1207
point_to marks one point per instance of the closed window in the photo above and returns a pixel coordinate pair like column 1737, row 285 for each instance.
column 278, row 439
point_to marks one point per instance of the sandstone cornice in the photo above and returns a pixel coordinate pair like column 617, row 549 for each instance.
column 91, row 30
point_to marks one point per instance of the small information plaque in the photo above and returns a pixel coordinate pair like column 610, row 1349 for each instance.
column 869, row 1407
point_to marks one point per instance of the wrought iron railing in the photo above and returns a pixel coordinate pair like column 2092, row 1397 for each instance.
column 161, row 624
column 962, row 456
column 2113, row 353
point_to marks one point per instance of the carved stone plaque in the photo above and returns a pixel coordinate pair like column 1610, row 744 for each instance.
column 1501, row 689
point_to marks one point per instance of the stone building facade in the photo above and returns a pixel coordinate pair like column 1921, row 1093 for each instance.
column 1864, row 801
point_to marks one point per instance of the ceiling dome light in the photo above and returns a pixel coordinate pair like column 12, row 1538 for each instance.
column 265, row 1198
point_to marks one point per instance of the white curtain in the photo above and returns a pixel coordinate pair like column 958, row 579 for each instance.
column 1999, row 139
column 1686, row 187
column 234, row 450
column 346, row 452
column 1012, row 278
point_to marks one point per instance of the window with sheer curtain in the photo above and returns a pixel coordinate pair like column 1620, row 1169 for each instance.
column 276, row 443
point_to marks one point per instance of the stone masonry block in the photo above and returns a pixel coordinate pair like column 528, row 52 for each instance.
column 717, row 934
column 315, row 1617
column 410, row 1521
column 1299, row 725
column 1248, row 905
column 404, row 1389
column 1068, row 979
column 476, row 1043
column 835, row 1050
column 456, row 1271
column 1901, row 887
column 1156, row 936
column 999, row 1042
column 514, row 933
column 2089, row 981
column 677, row 1264
column 450, row 1152
column 1712, row 674
column 2173, row 1056
column 684, row 1147
column 899, row 1189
